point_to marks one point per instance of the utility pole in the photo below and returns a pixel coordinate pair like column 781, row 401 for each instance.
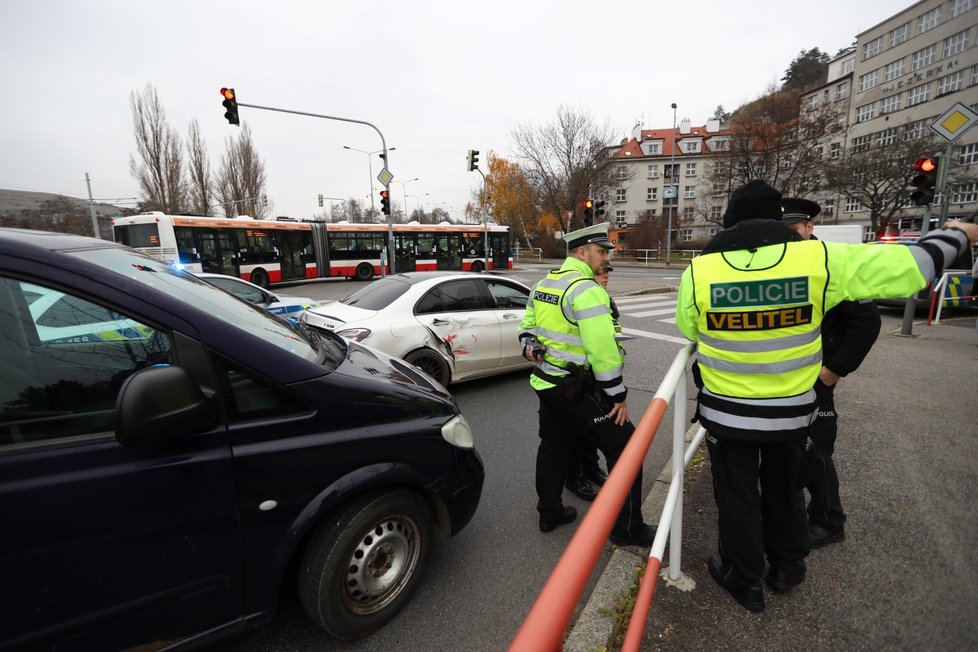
column 91, row 207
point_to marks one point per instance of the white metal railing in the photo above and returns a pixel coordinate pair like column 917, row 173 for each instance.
column 535, row 252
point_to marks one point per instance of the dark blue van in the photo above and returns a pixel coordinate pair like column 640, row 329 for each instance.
column 172, row 458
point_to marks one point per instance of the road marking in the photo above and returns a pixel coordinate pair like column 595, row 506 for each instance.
column 652, row 313
column 655, row 336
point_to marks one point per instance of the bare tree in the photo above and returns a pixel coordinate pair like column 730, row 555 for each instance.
column 240, row 184
column 159, row 167
column 199, row 186
column 563, row 160
column 877, row 175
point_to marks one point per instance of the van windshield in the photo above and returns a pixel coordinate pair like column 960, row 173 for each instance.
column 240, row 314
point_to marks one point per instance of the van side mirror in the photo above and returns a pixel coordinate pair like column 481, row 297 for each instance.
column 159, row 404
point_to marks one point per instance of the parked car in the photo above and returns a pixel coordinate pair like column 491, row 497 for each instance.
column 164, row 490
column 282, row 305
column 454, row 326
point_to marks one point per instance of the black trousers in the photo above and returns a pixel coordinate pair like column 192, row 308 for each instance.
column 825, row 506
column 582, row 455
column 561, row 421
column 754, row 523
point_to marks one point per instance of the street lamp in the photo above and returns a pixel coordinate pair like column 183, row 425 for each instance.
column 370, row 170
column 673, row 179
column 404, row 190
column 418, row 197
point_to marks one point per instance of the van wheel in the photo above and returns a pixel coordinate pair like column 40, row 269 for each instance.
column 260, row 277
column 360, row 568
column 477, row 266
column 432, row 364
column 365, row 272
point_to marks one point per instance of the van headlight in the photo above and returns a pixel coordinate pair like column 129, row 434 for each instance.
column 458, row 433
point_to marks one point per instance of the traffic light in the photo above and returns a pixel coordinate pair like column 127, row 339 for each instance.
column 924, row 180
column 588, row 212
column 320, row 200
column 473, row 160
column 385, row 202
column 599, row 209
column 231, row 104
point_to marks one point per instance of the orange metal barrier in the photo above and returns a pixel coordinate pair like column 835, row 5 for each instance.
column 544, row 626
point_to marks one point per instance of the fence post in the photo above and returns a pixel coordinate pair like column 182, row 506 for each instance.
column 678, row 473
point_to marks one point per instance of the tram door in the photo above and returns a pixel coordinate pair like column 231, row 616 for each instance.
column 217, row 252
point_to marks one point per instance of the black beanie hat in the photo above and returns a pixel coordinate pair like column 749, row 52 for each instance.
column 755, row 199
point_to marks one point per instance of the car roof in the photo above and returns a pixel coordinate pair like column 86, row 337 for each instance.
column 412, row 278
column 49, row 240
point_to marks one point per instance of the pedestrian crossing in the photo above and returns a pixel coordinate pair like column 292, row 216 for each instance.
column 643, row 307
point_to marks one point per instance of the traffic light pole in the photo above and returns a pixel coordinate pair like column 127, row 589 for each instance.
column 383, row 142
column 485, row 217
column 942, row 184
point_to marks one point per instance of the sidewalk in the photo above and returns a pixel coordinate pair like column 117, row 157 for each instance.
column 904, row 578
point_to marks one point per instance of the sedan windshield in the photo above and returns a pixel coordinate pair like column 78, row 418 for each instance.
column 182, row 285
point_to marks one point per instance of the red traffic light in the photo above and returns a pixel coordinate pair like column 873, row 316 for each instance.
column 588, row 203
column 384, row 194
column 925, row 165
column 228, row 93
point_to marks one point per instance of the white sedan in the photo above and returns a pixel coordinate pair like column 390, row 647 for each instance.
column 454, row 326
column 283, row 305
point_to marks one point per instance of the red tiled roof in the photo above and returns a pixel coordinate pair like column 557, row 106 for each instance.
column 670, row 138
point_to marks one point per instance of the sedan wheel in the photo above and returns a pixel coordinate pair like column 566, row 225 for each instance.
column 432, row 364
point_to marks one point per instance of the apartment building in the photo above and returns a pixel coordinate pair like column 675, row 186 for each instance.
column 908, row 71
column 663, row 172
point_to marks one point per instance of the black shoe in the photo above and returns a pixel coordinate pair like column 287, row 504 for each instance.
column 823, row 536
column 595, row 475
column 581, row 487
column 781, row 580
column 750, row 598
column 640, row 535
column 549, row 522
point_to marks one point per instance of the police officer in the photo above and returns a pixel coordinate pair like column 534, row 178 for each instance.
column 754, row 303
column 568, row 333
column 848, row 333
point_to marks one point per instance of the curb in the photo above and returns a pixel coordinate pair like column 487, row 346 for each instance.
column 592, row 630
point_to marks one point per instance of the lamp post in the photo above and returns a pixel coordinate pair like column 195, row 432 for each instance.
column 404, row 191
column 673, row 180
column 418, row 197
column 370, row 170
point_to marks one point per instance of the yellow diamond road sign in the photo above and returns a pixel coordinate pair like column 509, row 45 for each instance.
column 955, row 121
column 385, row 176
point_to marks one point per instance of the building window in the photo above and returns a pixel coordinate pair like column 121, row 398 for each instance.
column 835, row 150
column 955, row 44
column 692, row 147
column 949, row 83
column 873, row 48
column 969, row 154
column 719, row 187
column 852, row 205
column 621, row 172
column 828, row 206
column 886, row 137
column 653, row 212
column 716, row 213
column 890, row 104
column 860, row 144
column 689, row 192
column 964, row 193
column 848, row 65
column 868, row 80
column 653, row 172
column 690, row 169
column 928, row 21
column 958, row 7
column 652, row 148
column 974, row 74
column 865, row 112
column 619, row 216
column 621, row 194
column 686, row 235
column 899, row 35
column 842, row 90
column 651, row 194
column 914, row 130
column 893, row 70
column 918, row 94
column 671, row 170
column 922, row 58
column 688, row 212
column 721, row 145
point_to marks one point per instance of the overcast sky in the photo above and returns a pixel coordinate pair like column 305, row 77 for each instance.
column 437, row 78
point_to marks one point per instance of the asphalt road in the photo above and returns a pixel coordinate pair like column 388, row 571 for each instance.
column 480, row 585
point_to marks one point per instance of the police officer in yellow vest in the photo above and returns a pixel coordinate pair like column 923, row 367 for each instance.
column 753, row 303
column 569, row 334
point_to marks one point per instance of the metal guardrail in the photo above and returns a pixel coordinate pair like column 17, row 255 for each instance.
column 535, row 252
column 547, row 620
